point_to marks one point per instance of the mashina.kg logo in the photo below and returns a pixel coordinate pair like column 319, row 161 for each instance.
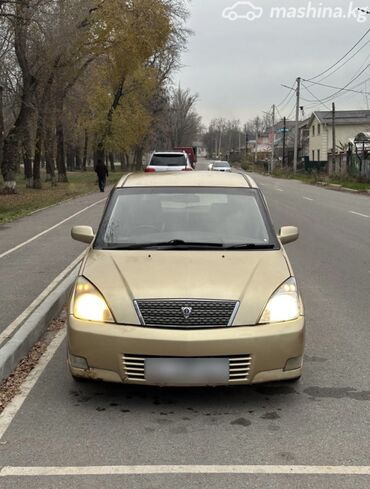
column 243, row 10
column 246, row 10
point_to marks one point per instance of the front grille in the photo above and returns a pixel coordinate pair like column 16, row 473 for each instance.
column 174, row 313
column 134, row 368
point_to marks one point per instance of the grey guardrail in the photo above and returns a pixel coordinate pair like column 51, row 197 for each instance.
column 18, row 345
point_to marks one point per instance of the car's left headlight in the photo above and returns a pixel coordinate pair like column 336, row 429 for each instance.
column 284, row 305
column 88, row 304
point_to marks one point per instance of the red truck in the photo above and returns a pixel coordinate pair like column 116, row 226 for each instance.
column 191, row 152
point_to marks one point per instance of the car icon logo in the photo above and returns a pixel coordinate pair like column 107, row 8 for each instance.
column 186, row 311
column 243, row 10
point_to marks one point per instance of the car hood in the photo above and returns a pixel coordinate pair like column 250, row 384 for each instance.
column 250, row 277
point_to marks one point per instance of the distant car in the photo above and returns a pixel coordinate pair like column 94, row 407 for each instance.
column 169, row 161
column 220, row 166
column 191, row 152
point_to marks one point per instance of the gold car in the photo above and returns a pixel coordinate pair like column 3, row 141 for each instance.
column 186, row 283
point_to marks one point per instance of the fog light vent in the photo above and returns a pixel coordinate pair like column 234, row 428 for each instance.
column 293, row 363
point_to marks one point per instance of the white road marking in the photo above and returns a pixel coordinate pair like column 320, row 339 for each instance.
column 8, row 332
column 7, row 416
column 279, row 189
column 184, row 469
column 308, row 198
column 358, row 214
column 12, row 250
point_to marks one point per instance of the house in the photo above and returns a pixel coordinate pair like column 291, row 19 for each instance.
column 304, row 140
column 348, row 123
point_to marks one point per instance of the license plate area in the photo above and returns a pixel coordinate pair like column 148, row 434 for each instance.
column 187, row 371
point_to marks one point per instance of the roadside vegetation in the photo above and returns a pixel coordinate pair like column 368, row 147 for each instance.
column 28, row 200
column 313, row 178
column 82, row 81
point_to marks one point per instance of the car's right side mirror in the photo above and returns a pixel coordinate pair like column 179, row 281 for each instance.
column 288, row 234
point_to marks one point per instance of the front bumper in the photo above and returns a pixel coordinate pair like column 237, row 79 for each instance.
column 271, row 352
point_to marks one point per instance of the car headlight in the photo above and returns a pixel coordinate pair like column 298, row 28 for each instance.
column 88, row 303
column 284, row 305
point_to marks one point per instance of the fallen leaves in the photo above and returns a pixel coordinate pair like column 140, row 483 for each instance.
column 11, row 386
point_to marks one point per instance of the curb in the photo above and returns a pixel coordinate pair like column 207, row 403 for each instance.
column 18, row 345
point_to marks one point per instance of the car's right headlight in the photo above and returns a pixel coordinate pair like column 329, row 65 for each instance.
column 284, row 305
column 88, row 304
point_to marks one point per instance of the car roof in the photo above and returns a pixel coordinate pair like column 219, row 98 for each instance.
column 169, row 153
column 187, row 179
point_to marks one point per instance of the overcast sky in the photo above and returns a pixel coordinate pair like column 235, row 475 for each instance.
column 237, row 67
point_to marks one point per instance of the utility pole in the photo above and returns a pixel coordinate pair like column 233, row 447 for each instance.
column 256, row 148
column 334, row 141
column 273, row 139
column 284, row 141
column 298, row 92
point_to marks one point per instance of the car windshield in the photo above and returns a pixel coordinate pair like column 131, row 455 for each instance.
column 221, row 164
column 178, row 217
column 168, row 160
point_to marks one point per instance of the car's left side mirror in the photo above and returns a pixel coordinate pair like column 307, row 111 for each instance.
column 288, row 234
column 85, row 234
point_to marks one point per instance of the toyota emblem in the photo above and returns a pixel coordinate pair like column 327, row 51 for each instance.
column 187, row 312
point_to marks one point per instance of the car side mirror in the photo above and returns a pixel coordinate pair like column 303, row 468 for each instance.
column 288, row 234
column 85, row 234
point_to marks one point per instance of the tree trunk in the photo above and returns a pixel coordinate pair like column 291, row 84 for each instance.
column 85, row 155
column 27, row 158
column 78, row 157
column 49, row 154
column 70, row 157
column 61, row 159
column 111, row 161
column 8, row 166
column 138, row 157
column 2, row 127
column 124, row 161
column 20, row 131
column 118, row 94
column 36, row 176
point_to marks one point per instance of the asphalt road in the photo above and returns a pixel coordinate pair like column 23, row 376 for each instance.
column 322, row 421
column 27, row 267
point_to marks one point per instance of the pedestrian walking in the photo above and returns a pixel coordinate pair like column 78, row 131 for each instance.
column 102, row 171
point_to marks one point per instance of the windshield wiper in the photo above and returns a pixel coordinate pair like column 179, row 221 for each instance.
column 250, row 246
column 173, row 243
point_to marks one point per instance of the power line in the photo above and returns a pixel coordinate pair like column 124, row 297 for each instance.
column 286, row 105
column 278, row 111
column 345, row 88
column 284, row 99
column 341, row 59
column 343, row 64
column 320, row 101
column 340, row 95
column 291, row 112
